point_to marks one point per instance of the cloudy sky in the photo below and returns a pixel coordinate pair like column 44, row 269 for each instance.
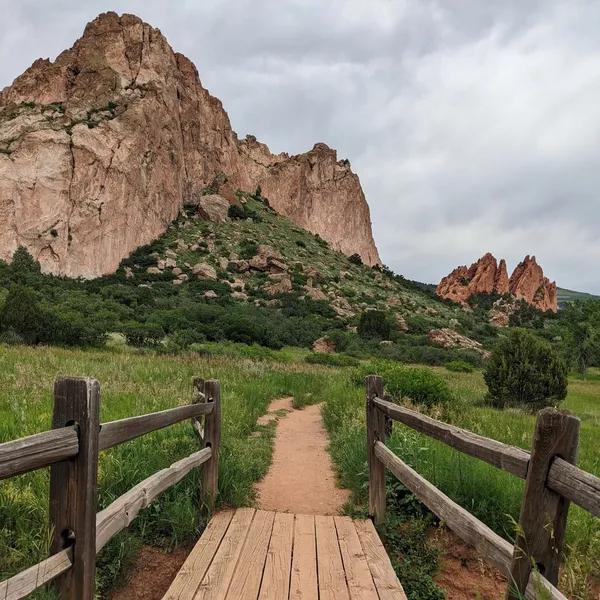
column 474, row 125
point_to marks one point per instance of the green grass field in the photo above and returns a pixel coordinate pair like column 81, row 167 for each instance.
column 133, row 384
column 492, row 495
column 137, row 383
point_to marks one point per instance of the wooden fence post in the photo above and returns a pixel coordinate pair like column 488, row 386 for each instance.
column 73, row 485
column 376, row 429
column 541, row 533
column 212, row 438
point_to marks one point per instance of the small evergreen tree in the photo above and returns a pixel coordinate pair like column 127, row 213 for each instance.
column 526, row 372
column 21, row 314
column 375, row 324
column 355, row 259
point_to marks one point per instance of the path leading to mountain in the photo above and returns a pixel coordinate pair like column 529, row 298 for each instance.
column 301, row 478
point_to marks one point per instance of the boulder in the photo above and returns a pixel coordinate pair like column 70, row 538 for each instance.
column 239, row 296
column 213, row 207
column 315, row 293
column 171, row 254
column 153, row 271
column 284, row 286
column 240, row 266
column 324, row 345
column 170, row 263
column 177, row 271
column 448, row 338
column 204, row 272
column 210, row 294
column 265, row 256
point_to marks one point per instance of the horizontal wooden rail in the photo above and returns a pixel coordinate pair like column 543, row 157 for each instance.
column 505, row 457
column 490, row 545
column 119, row 515
column 37, row 451
column 26, row 582
column 577, row 485
column 115, row 433
column 573, row 483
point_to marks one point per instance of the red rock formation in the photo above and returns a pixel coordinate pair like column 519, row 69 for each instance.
column 528, row 282
column 101, row 148
column 484, row 276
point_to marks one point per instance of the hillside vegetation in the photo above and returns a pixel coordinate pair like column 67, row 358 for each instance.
column 255, row 278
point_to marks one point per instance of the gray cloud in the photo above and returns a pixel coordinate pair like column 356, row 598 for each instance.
column 473, row 125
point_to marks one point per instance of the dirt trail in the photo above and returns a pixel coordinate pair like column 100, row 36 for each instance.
column 301, row 478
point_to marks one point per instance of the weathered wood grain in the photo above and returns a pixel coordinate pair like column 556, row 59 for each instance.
column 541, row 532
column 74, row 483
column 37, row 451
column 115, row 433
column 212, row 438
column 580, row 487
column 187, row 581
column 276, row 577
column 23, row 584
column 375, row 431
column 216, row 582
column 505, row 457
column 126, row 508
column 330, row 568
column 303, row 585
column 245, row 583
column 358, row 574
column 489, row 544
column 387, row 584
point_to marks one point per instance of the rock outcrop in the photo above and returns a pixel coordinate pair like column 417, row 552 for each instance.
column 484, row 276
column 489, row 276
column 101, row 148
column 448, row 338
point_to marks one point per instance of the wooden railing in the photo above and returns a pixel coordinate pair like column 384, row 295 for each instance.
column 552, row 481
column 71, row 450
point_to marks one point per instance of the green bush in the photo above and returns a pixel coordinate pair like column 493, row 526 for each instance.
column 422, row 386
column 241, row 213
column 332, row 360
column 355, row 259
column 375, row 324
column 525, row 372
column 459, row 366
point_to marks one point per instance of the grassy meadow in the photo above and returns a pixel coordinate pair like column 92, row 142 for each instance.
column 492, row 495
column 135, row 383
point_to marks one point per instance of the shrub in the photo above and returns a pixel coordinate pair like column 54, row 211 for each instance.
column 526, row 372
column 301, row 243
column 242, row 213
column 420, row 385
column 332, row 360
column 248, row 249
column 459, row 366
column 355, row 259
column 375, row 324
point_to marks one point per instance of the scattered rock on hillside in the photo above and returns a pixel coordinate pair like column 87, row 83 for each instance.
column 170, row 254
column 315, row 293
column 240, row 266
column 210, row 294
column 283, row 286
column 153, row 271
column 239, row 296
column 400, row 323
column 265, row 256
column 448, row 338
column 501, row 311
column 324, row 345
column 204, row 272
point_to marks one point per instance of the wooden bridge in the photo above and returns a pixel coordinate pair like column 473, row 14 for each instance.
column 258, row 555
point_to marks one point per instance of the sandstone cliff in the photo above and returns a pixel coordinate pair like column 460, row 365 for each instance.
column 489, row 276
column 528, row 282
column 101, row 148
column 483, row 276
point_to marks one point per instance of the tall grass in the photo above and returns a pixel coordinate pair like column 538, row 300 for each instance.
column 133, row 384
column 492, row 495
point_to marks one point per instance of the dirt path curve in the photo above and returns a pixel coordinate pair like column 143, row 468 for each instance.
column 301, row 478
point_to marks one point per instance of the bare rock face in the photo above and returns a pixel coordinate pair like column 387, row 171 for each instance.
column 100, row 149
column 487, row 275
column 484, row 276
column 528, row 282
